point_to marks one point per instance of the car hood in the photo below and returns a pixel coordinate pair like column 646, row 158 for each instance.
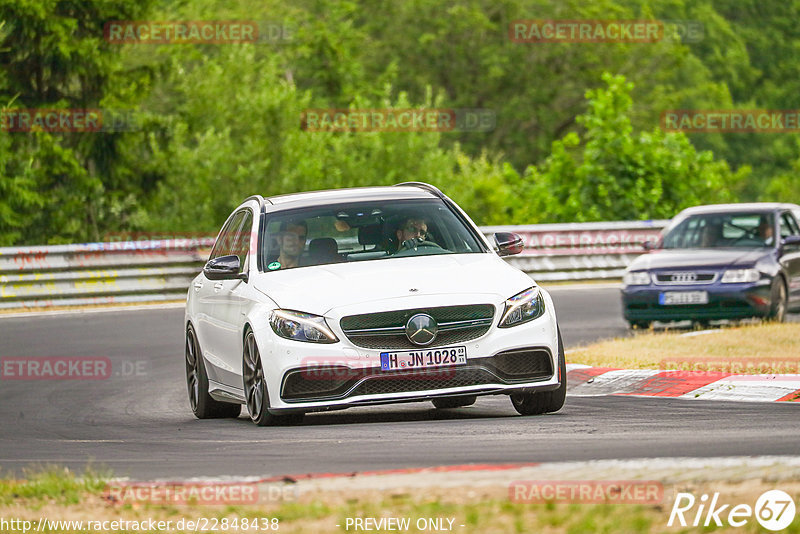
column 697, row 258
column 320, row 288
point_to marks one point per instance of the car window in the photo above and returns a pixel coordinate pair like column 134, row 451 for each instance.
column 224, row 245
column 364, row 231
column 722, row 230
column 788, row 225
column 241, row 242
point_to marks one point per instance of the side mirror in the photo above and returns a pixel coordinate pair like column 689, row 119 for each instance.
column 224, row 268
column 508, row 243
column 648, row 245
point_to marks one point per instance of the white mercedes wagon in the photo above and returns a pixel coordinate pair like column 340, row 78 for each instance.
column 352, row 297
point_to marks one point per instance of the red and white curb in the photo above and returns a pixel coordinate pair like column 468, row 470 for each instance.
column 586, row 381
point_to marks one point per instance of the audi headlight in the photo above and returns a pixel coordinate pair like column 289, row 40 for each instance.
column 740, row 276
column 636, row 278
column 522, row 307
column 301, row 327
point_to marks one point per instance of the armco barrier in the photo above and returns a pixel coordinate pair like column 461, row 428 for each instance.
column 99, row 273
column 135, row 271
column 580, row 251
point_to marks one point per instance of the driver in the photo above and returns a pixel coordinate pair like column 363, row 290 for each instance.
column 765, row 231
column 412, row 228
column 710, row 235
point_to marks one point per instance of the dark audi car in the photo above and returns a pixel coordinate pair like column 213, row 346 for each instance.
column 728, row 261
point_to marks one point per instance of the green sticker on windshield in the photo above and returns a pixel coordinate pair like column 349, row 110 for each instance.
column 274, row 265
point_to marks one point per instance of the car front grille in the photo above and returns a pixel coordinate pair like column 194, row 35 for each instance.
column 386, row 330
column 684, row 278
column 336, row 382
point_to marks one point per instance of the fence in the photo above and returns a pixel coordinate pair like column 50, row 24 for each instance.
column 153, row 270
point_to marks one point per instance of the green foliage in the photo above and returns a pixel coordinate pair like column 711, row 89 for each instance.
column 256, row 144
column 785, row 187
column 619, row 174
column 19, row 198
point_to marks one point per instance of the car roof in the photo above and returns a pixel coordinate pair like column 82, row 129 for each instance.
column 354, row 194
column 749, row 207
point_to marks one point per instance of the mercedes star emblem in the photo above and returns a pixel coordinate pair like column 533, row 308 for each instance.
column 421, row 329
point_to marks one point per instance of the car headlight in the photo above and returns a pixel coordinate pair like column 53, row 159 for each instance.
column 522, row 307
column 636, row 278
column 301, row 327
column 740, row 276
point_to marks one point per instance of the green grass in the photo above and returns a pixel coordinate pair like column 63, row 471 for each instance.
column 58, row 491
column 52, row 484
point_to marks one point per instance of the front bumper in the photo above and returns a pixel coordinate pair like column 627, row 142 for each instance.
column 508, row 368
column 725, row 301
column 307, row 377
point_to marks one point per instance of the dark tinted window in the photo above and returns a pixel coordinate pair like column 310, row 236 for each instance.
column 788, row 225
column 224, row 245
column 241, row 242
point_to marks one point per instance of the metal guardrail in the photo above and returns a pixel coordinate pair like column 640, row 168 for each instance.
column 99, row 273
column 580, row 251
column 152, row 270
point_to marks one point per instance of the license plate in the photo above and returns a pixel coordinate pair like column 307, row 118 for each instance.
column 418, row 359
column 672, row 298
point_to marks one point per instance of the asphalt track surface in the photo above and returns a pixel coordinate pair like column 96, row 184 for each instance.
column 138, row 422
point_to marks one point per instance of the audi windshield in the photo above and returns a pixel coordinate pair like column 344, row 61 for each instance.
column 722, row 230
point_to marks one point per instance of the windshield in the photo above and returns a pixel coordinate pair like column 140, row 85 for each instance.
column 722, row 230
column 362, row 232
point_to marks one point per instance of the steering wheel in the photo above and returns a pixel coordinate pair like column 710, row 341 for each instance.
column 416, row 242
column 750, row 235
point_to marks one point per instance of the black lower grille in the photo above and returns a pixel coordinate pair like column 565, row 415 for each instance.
column 442, row 379
column 335, row 382
column 524, row 363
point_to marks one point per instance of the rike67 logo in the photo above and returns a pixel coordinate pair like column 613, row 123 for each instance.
column 774, row 510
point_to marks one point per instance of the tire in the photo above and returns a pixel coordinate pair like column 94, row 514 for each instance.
column 778, row 298
column 544, row 401
column 203, row 406
column 255, row 388
column 454, row 402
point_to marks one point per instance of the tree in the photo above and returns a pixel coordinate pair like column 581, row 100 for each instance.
column 54, row 55
column 611, row 173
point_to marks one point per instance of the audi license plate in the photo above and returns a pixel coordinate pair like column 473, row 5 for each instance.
column 672, row 298
column 418, row 359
